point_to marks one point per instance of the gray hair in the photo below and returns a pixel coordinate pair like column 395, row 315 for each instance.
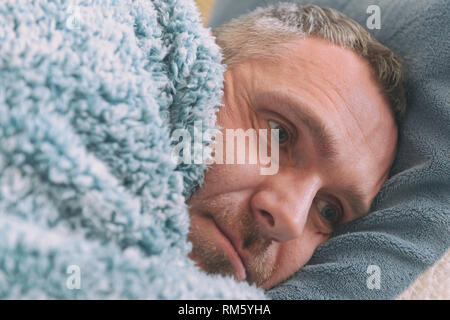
column 259, row 33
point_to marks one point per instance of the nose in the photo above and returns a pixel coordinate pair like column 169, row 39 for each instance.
column 282, row 206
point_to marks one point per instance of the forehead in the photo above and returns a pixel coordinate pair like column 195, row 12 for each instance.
column 337, row 86
column 329, row 71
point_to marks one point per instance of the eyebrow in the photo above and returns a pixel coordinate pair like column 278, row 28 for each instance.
column 322, row 138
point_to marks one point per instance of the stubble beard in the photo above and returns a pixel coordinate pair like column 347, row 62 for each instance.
column 213, row 260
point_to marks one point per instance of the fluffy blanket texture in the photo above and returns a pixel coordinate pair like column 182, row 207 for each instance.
column 408, row 229
column 91, row 206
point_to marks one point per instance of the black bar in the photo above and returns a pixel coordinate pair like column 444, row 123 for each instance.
column 216, row 309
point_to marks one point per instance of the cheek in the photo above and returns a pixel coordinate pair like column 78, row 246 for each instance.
column 297, row 252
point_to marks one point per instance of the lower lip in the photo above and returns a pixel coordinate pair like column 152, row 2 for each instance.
column 230, row 251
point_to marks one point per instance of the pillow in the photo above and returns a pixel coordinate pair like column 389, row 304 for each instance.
column 408, row 227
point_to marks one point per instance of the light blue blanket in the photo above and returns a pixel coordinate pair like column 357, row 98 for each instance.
column 409, row 226
column 91, row 206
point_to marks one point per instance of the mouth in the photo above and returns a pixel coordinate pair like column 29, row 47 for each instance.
column 233, row 254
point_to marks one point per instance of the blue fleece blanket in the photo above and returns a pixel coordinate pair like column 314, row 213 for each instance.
column 408, row 228
column 91, row 205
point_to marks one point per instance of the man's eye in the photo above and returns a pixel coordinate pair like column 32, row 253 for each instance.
column 283, row 134
column 329, row 212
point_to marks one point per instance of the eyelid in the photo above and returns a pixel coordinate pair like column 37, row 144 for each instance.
column 326, row 195
column 329, row 202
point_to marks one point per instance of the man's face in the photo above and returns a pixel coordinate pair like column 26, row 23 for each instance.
column 337, row 143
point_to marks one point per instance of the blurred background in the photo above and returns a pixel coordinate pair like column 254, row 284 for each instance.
column 205, row 7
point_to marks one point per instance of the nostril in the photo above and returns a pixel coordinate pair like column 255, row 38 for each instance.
column 266, row 215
